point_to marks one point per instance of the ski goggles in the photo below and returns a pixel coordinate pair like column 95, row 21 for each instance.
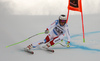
column 62, row 20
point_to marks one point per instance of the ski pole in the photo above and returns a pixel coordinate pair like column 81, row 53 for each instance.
column 25, row 39
column 62, row 45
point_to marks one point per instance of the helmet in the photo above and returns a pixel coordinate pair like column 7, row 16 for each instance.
column 62, row 19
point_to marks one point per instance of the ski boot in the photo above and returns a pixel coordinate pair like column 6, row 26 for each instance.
column 28, row 47
column 46, row 47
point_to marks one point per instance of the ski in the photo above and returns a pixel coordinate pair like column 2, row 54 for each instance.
column 50, row 50
column 28, row 51
column 31, row 52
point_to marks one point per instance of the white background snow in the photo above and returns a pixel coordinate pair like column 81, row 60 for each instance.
column 16, row 26
column 45, row 7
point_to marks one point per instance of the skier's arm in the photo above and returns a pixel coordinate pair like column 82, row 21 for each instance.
column 51, row 25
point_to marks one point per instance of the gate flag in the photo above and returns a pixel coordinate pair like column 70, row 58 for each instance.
column 76, row 5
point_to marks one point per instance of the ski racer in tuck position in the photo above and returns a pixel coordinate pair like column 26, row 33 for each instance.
column 60, row 28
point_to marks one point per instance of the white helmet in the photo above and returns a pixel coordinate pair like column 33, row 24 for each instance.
column 62, row 19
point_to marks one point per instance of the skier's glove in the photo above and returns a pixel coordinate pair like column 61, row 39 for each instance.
column 68, row 43
column 46, row 31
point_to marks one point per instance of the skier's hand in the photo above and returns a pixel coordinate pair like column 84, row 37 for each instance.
column 68, row 43
column 46, row 31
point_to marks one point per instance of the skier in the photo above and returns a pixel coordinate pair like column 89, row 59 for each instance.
column 60, row 28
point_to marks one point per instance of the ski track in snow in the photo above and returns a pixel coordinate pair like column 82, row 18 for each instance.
column 76, row 46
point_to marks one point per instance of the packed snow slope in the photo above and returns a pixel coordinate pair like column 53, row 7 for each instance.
column 16, row 28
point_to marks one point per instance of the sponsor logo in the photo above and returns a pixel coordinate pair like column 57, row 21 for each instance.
column 74, row 3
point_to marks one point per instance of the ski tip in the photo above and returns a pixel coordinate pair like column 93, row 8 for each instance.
column 32, row 52
column 53, row 51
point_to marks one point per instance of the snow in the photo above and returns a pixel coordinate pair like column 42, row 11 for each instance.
column 15, row 28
